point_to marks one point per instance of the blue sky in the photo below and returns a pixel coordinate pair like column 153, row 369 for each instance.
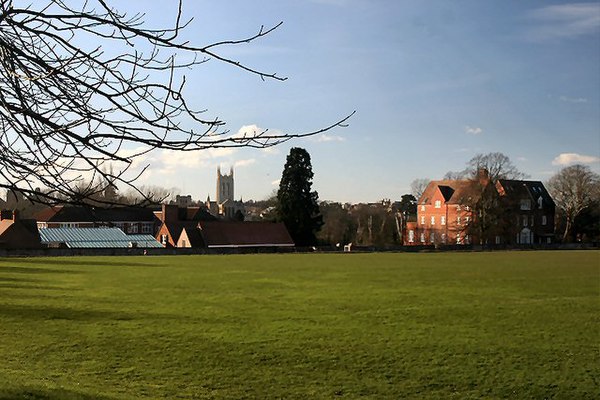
column 433, row 83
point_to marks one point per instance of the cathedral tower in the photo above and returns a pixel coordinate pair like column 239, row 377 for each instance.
column 224, row 186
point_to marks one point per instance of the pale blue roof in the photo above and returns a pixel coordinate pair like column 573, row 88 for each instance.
column 110, row 238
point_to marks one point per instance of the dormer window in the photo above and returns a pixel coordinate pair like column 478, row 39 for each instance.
column 525, row 204
column 438, row 204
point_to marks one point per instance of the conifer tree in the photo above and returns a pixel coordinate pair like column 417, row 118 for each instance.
column 298, row 206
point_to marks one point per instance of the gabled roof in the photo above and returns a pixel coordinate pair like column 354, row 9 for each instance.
column 454, row 191
column 446, row 191
column 195, row 214
column 245, row 234
column 65, row 214
column 22, row 233
column 525, row 189
column 194, row 236
column 176, row 227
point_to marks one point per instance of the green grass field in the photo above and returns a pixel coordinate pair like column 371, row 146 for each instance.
column 519, row 325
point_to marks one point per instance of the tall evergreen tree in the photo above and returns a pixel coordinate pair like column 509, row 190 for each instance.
column 298, row 206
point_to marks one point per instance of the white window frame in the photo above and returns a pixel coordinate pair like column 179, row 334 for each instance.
column 411, row 236
column 433, row 220
column 422, row 237
column 438, row 204
column 443, row 220
column 422, row 220
column 544, row 220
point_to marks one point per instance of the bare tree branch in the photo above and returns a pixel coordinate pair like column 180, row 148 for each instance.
column 67, row 111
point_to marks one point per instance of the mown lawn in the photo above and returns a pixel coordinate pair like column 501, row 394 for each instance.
column 519, row 325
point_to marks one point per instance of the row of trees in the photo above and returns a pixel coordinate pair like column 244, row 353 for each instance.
column 575, row 190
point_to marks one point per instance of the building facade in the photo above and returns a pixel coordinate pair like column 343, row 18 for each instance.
column 507, row 212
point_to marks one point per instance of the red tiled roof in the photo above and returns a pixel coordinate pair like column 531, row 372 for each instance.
column 454, row 191
column 245, row 234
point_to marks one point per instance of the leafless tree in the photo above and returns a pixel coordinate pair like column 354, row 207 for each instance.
column 418, row 186
column 498, row 166
column 574, row 189
column 84, row 86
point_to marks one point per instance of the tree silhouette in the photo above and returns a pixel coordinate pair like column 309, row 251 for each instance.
column 298, row 206
column 574, row 189
column 84, row 88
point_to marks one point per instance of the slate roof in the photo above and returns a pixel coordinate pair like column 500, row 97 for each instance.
column 22, row 233
column 245, row 234
column 90, row 214
column 526, row 189
column 79, row 238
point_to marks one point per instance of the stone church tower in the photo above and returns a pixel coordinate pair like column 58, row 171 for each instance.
column 225, row 206
column 224, row 186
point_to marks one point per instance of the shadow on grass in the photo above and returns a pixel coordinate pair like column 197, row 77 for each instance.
column 49, row 394
column 35, row 270
column 82, row 262
column 33, row 287
column 4, row 279
column 71, row 314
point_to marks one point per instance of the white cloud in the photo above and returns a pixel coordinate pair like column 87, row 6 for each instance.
column 244, row 163
column 271, row 150
column 522, row 158
column 574, row 158
column 276, row 182
column 573, row 99
column 563, row 21
column 323, row 137
column 473, row 130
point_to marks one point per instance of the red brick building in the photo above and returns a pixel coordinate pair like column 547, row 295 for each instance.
column 180, row 228
column 443, row 213
column 450, row 212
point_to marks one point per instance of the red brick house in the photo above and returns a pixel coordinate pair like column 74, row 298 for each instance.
column 16, row 233
column 444, row 213
column 523, row 213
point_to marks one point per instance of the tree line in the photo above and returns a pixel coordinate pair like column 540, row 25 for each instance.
column 575, row 190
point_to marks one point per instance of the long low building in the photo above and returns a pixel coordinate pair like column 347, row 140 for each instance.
column 98, row 238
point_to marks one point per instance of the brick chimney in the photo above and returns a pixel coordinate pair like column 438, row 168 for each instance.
column 483, row 176
column 170, row 212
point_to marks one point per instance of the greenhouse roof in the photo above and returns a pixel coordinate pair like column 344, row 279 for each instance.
column 79, row 238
